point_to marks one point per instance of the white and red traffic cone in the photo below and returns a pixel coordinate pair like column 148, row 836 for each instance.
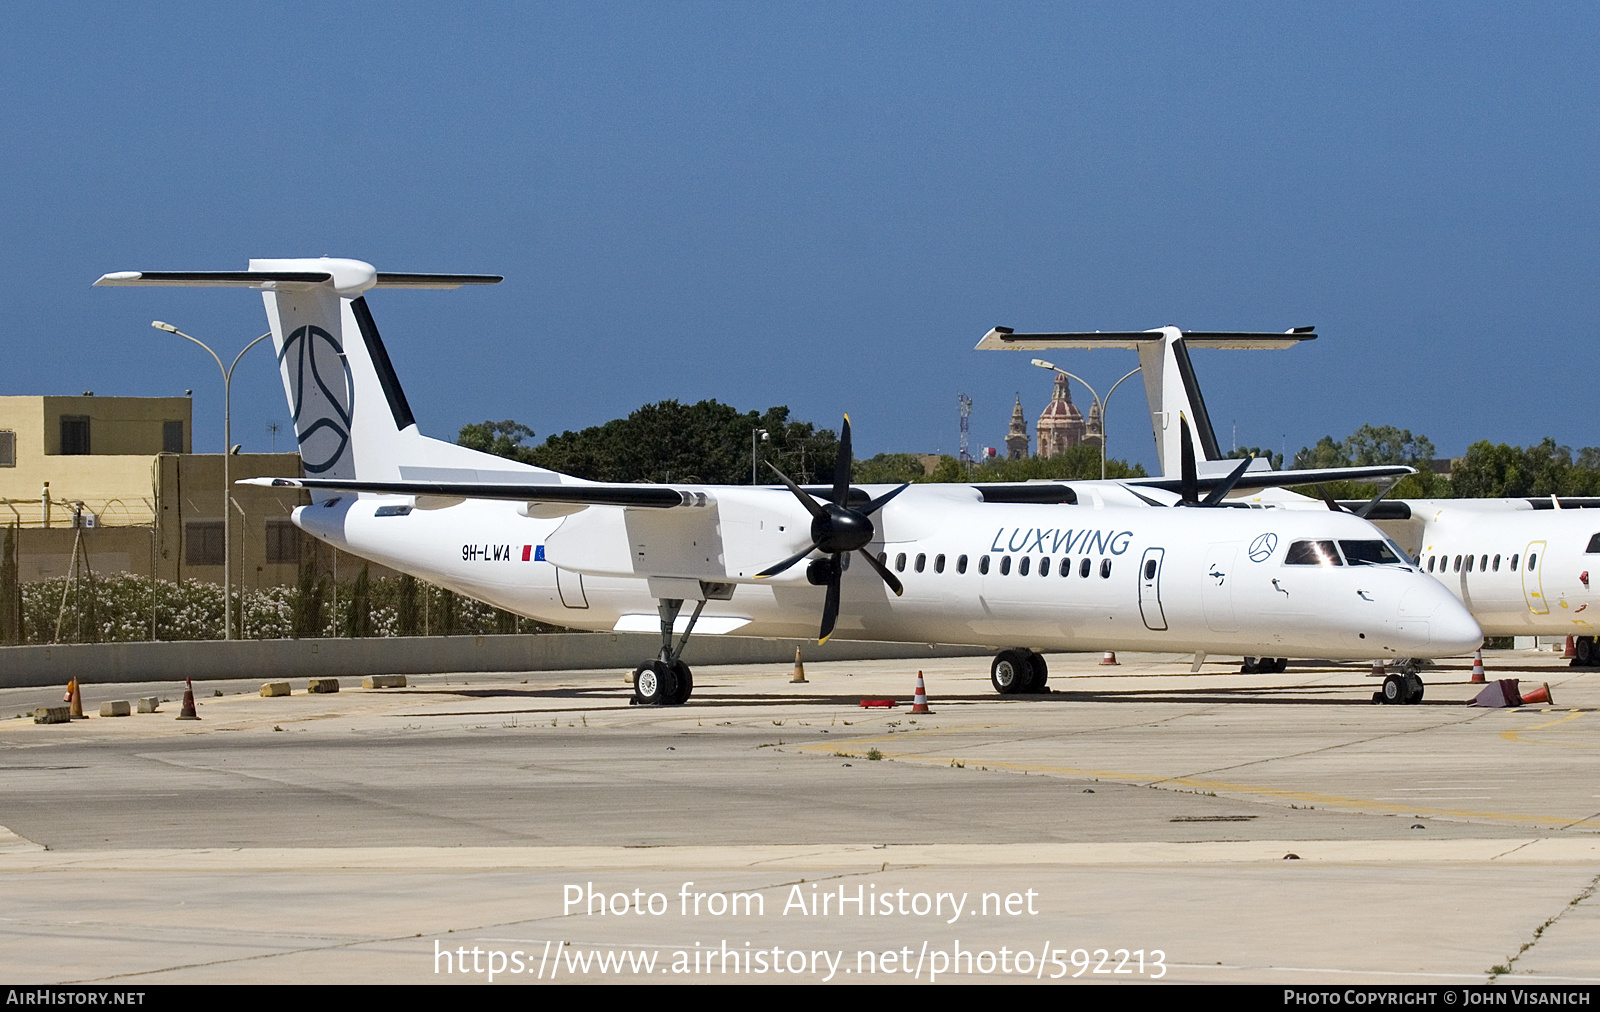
column 1570, row 651
column 188, row 712
column 799, row 670
column 1109, row 658
column 1477, row 667
column 919, row 702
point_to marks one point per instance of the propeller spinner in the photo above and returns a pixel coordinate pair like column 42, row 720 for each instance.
column 837, row 529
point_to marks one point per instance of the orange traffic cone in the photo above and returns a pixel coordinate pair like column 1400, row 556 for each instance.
column 799, row 670
column 1539, row 695
column 75, row 697
column 919, row 702
column 1571, row 650
column 1477, row 666
column 1109, row 658
column 188, row 702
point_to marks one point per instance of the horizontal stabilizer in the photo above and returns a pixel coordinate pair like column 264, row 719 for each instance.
column 1004, row 338
column 284, row 280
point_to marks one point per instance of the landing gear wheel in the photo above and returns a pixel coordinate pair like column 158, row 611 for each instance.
column 1011, row 672
column 1584, row 653
column 1251, row 666
column 1041, row 672
column 1415, row 687
column 1395, row 690
column 685, row 682
column 1280, row 665
column 655, row 684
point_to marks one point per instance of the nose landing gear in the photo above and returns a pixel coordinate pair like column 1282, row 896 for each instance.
column 1400, row 688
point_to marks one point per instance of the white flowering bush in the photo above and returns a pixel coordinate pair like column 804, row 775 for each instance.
column 118, row 607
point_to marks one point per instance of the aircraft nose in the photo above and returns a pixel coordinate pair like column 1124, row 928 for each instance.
column 1452, row 628
column 1437, row 623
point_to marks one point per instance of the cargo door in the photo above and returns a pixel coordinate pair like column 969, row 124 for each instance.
column 570, row 586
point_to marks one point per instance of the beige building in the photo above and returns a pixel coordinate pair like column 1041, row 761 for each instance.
column 118, row 472
column 1061, row 426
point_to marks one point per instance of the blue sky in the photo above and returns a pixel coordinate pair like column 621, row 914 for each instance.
column 826, row 205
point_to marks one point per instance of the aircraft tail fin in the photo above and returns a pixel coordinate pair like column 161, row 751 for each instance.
column 351, row 417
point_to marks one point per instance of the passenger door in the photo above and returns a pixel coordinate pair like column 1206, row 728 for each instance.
column 1150, row 589
column 1533, row 578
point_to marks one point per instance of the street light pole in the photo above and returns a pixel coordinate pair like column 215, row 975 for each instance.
column 1101, row 404
column 753, row 452
column 227, row 452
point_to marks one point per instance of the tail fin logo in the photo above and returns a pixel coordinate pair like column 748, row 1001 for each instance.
column 323, row 395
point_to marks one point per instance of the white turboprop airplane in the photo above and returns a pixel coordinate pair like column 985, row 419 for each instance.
column 1522, row 566
column 1056, row 566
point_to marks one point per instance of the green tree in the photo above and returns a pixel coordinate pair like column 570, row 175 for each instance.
column 888, row 468
column 1274, row 460
column 668, row 441
column 358, row 612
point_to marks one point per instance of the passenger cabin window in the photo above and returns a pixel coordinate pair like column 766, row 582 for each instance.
column 1066, row 567
column 1514, row 559
column 1083, row 569
column 1430, row 563
column 1533, row 558
column 1496, row 564
column 1044, row 566
column 1150, row 569
column 1369, row 553
column 1005, row 565
column 922, row 560
column 983, row 565
column 1105, row 569
column 1312, row 553
column 961, row 564
column 938, row 563
column 900, row 563
column 1022, row 566
column 1469, row 563
column 1456, row 565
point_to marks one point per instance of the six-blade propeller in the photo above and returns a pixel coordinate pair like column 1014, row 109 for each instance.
column 836, row 530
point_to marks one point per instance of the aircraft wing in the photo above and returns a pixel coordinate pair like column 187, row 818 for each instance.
column 1279, row 479
column 595, row 494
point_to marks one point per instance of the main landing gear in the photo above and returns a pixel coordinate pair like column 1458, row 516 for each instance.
column 667, row 681
column 1018, row 670
column 1400, row 687
column 1264, row 665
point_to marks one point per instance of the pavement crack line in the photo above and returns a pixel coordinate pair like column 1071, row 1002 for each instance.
column 1324, row 748
column 1503, row 969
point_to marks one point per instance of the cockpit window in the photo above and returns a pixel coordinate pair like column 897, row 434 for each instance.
column 1370, row 553
column 1594, row 545
column 1313, row 553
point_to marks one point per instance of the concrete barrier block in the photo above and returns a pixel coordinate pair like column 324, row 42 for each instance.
column 323, row 685
column 384, row 682
column 116, row 708
column 276, row 688
column 52, row 715
column 148, row 704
